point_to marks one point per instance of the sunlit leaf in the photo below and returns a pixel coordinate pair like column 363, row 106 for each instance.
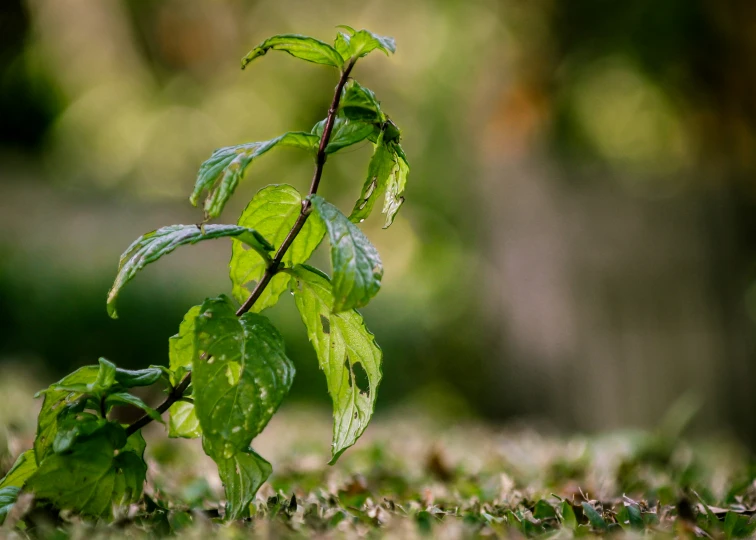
column 272, row 212
column 397, row 182
column 183, row 421
column 357, row 267
column 22, row 469
column 347, row 354
column 150, row 247
column 221, row 173
column 181, row 346
column 382, row 165
column 387, row 175
column 306, row 48
column 240, row 375
column 356, row 44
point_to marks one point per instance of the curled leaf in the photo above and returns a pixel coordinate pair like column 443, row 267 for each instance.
column 153, row 245
column 221, row 172
column 347, row 354
column 303, row 47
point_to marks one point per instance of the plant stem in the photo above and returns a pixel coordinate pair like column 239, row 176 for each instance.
column 320, row 160
column 175, row 395
column 274, row 266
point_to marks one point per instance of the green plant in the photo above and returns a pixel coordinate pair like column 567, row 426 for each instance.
column 228, row 371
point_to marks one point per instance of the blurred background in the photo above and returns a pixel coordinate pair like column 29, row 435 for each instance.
column 578, row 245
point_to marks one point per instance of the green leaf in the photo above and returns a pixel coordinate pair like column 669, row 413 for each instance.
column 181, row 346
column 136, row 444
column 74, row 427
column 346, row 352
column 240, row 375
column 220, row 174
column 382, row 166
column 96, row 384
column 395, row 186
column 124, row 398
column 357, row 268
column 59, row 403
column 359, row 103
column 568, row 515
column 128, row 378
column 597, row 522
column 543, row 510
column 183, row 421
column 242, row 476
column 153, row 245
column 272, row 212
column 356, row 44
column 306, row 48
column 738, row 525
column 634, row 516
column 22, row 469
column 387, row 173
column 345, row 132
column 8, row 497
column 90, row 478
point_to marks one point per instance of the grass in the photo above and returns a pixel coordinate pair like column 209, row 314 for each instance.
column 415, row 475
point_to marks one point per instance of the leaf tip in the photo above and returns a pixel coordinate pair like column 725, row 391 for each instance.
column 111, row 307
column 251, row 55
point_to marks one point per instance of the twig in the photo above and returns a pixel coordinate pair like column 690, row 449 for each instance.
column 274, row 266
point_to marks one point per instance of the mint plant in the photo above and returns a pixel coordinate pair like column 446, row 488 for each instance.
column 228, row 371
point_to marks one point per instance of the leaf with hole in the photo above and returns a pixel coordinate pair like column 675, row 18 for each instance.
column 387, row 174
column 240, row 376
column 347, row 354
column 395, row 186
column 272, row 212
column 150, row 247
column 221, row 172
column 303, row 47
column 357, row 267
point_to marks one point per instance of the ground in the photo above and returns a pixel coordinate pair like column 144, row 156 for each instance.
column 417, row 474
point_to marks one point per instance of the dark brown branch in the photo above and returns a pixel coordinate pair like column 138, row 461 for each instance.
column 274, row 266
column 175, row 395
